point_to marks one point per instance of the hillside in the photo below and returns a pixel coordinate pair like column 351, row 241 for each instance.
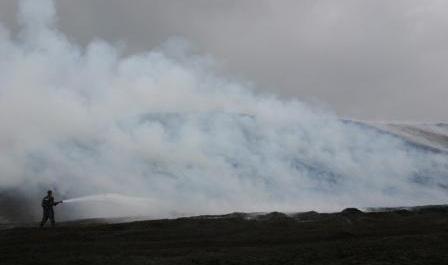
column 432, row 136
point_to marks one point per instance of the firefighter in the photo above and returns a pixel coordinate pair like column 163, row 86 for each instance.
column 47, row 206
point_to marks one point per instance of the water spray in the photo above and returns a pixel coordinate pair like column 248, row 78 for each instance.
column 108, row 198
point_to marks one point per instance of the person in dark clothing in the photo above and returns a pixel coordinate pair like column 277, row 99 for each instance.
column 47, row 206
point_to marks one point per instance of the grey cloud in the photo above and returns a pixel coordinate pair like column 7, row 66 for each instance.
column 366, row 59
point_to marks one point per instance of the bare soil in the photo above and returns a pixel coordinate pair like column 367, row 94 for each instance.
column 418, row 236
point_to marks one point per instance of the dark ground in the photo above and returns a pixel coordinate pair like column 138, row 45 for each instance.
column 350, row 237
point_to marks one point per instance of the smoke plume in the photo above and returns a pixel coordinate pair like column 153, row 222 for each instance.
column 163, row 127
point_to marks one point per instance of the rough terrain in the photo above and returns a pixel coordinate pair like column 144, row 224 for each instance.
column 392, row 236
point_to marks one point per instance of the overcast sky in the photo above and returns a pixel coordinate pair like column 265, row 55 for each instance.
column 376, row 60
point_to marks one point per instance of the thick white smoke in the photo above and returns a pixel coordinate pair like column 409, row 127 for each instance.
column 162, row 126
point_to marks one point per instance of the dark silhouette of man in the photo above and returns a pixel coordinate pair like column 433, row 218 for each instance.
column 47, row 206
